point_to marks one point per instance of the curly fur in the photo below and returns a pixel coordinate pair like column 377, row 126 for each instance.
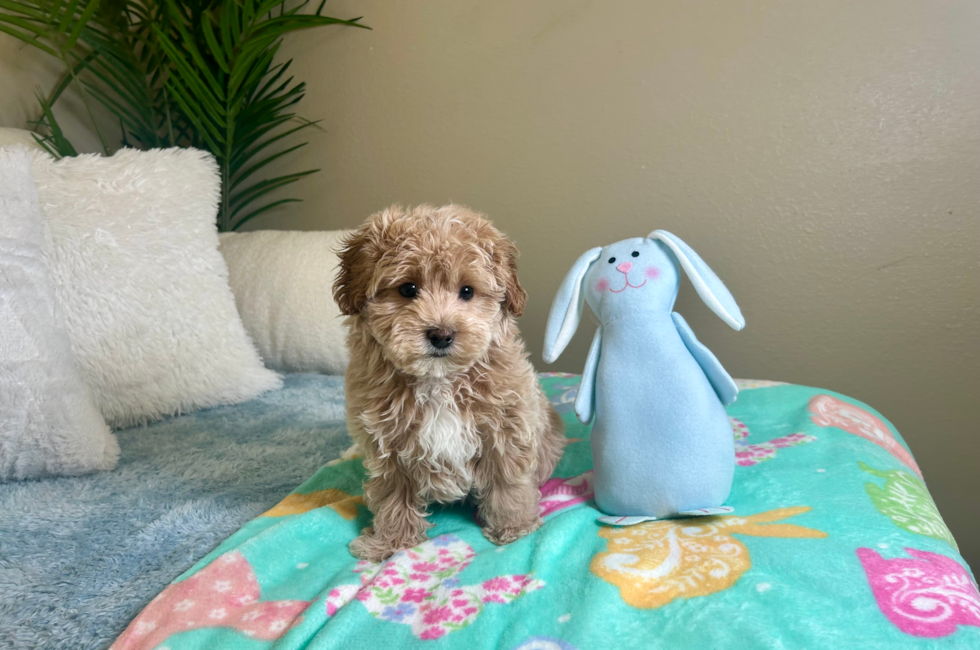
column 441, row 425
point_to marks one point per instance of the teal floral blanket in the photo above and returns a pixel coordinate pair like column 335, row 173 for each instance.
column 834, row 542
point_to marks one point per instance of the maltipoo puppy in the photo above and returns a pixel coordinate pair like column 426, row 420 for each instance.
column 441, row 397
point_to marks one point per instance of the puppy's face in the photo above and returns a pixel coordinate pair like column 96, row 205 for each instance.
column 432, row 285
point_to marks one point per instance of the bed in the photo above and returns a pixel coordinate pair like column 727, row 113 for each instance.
column 201, row 540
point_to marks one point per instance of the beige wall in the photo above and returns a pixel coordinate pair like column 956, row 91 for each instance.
column 823, row 157
column 22, row 69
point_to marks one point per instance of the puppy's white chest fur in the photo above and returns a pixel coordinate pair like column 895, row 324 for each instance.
column 448, row 442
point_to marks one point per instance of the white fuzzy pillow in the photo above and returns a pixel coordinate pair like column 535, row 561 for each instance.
column 145, row 291
column 283, row 285
column 48, row 423
column 19, row 138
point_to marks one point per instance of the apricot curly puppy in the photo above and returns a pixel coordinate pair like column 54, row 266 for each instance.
column 441, row 397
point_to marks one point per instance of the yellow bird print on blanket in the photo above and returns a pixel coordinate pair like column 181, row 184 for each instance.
column 297, row 504
column 656, row 562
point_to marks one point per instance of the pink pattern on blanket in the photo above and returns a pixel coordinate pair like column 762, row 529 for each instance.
column 223, row 594
column 926, row 597
column 420, row 587
column 560, row 493
column 828, row 411
column 747, row 455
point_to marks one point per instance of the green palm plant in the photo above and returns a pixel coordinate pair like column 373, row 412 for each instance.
column 53, row 27
column 198, row 73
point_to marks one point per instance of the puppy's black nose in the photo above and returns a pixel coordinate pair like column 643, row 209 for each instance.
column 440, row 338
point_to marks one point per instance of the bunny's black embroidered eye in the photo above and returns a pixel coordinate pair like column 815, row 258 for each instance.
column 612, row 259
column 466, row 293
column 408, row 290
column 635, row 253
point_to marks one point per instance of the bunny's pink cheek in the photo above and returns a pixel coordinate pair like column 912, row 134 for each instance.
column 602, row 285
column 652, row 272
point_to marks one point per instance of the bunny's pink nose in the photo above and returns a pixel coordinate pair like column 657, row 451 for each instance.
column 625, row 267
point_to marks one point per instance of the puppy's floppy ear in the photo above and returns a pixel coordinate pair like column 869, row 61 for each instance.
column 350, row 289
column 505, row 261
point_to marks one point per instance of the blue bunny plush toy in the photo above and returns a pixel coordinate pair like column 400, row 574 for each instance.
column 662, row 442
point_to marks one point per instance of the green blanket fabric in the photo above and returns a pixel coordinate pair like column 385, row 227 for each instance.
column 834, row 542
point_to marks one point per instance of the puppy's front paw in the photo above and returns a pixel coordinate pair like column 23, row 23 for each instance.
column 510, row 531
column 371, row 548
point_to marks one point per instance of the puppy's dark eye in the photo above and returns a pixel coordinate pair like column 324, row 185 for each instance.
column 466, row 293
column 635, row 253
column 408, row 290
column 612, row 259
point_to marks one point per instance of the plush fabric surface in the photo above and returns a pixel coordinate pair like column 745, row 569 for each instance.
column 48, row 422
column 18, row 137
column 145, row 291
column 282, row 283
column 834, row 543
column 663, row 444
column 79, row 557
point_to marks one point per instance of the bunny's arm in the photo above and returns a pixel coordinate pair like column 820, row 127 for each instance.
column 720, row 380
column 585, row 399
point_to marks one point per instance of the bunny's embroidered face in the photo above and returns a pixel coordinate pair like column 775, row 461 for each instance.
column 634, row 277
column 630, row 275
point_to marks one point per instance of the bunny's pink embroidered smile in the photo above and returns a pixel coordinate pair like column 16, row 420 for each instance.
column 627, row 285
column 651, row 272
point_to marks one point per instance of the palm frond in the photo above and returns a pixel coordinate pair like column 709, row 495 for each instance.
column 56, row 143
column 196, row 73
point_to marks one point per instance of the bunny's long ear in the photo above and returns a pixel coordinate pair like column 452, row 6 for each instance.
column 567, row 308
column 708, row 285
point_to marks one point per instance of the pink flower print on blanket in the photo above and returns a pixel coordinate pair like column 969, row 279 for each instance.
column 419, row 587
column 927, row 596
column 225, row 593
column 560, row 493
column 828, row 411
column 746, row 455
